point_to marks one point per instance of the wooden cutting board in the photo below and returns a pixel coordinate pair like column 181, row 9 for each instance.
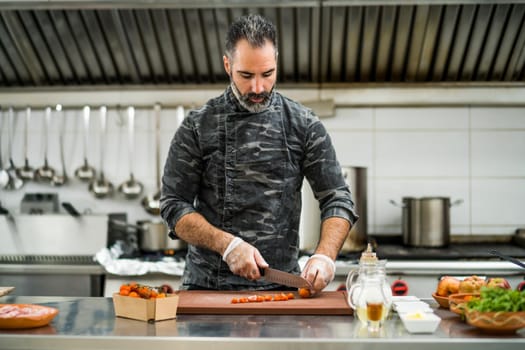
column 220, row 302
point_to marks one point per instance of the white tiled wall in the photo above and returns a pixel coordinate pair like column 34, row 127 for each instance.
column 472, row 154
column 475, row 154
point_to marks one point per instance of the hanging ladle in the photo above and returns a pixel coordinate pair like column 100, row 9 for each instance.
column 151, row 202
column 61, row 179
column 26, row 172
column 45, row 173
column 131, row 188
column 4, row 177
column 13, row 182
column 100, row 187
column 85, row 172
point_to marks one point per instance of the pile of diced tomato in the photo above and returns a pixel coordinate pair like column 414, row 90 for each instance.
column 261, row 298
column 136, row 290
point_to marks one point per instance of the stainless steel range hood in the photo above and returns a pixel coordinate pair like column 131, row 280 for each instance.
column 46, row 44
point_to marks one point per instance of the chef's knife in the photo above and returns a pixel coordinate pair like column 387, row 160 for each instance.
column 284, row 278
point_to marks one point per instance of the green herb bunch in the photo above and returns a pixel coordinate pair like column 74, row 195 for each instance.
column 498, row 299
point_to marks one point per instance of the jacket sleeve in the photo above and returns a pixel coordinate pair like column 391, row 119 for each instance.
column 182, row 172
column 324, row 174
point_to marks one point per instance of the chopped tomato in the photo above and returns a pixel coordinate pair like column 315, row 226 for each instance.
column 280, row 297
column 304, row 293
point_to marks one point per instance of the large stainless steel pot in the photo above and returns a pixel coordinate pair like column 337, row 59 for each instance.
column 309, row 230
column 426, row 221
column 356, row 178
column 153, row 237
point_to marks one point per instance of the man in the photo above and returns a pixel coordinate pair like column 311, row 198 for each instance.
column 232, row 181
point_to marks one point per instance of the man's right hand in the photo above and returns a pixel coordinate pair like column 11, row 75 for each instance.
column 245, row 260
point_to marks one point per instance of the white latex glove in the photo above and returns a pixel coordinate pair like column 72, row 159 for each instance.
column 320, row 271
column 243, row 259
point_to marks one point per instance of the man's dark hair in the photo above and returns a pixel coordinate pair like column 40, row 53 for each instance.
column 254, row 28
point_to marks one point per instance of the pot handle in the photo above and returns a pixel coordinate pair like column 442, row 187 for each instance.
column 393, row 202
column 125, row 224
column 456, row 202
column 71, row 210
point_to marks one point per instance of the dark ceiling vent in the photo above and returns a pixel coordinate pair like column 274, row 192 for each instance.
column 318, row 44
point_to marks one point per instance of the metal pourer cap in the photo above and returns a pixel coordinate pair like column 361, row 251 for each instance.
column 368, row 256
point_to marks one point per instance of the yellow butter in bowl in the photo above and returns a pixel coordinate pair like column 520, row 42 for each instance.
column 420, row 322
column 415, row 316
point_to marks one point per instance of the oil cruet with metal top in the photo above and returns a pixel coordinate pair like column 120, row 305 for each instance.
column 368, row 291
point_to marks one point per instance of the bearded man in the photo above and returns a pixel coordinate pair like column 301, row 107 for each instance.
column 231, row 186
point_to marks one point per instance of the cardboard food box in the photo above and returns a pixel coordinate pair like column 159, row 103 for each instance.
column 149, row 310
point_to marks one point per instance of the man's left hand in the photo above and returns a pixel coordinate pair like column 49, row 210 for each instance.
column 320, row 271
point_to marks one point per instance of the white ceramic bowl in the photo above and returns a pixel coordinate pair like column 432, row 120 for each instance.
column 420, row 322
column 411, row 306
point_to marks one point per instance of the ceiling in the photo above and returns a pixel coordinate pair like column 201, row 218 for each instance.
column 49, row 44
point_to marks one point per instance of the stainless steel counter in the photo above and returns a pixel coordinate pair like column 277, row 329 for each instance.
column 452, row 267
column 55, row 269
column 89, row 323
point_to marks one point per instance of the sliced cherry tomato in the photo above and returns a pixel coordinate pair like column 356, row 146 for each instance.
column 304, row 293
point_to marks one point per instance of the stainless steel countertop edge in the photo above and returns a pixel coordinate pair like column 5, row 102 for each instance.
column 51, row 269
column 17, row 342
column 439, row 266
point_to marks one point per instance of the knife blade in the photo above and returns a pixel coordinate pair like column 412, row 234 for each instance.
column 284, row 278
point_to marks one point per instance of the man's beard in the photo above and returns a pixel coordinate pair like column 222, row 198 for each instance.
column 245, row 100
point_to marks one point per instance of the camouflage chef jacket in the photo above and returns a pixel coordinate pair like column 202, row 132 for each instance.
column 243, row 172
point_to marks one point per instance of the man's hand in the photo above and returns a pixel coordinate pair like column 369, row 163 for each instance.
column 244, row 260
column 320, row 271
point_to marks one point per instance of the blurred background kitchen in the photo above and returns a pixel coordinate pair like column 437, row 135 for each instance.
column 423, row 99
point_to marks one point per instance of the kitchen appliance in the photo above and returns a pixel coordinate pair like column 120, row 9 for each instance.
column 39, row 203
column 310, row 225
column 52, row 254
column 426, row 221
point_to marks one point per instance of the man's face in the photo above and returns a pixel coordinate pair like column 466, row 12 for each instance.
column 253, row 72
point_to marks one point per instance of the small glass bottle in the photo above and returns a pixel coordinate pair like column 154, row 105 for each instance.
column 368, row 291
